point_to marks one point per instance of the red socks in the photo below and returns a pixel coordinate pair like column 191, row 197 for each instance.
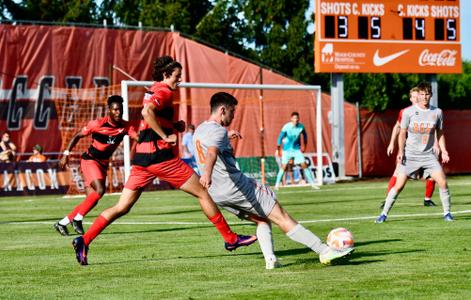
column 392, row 182
column 429, row 188
column 223, row 228
column 86, row 205
column 89, row 203
column 97, row 227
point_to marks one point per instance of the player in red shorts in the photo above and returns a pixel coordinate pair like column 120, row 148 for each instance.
column 107, row 133
column 156, row 155
column 429, row 182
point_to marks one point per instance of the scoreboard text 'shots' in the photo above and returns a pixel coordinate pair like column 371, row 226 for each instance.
column 408, row 36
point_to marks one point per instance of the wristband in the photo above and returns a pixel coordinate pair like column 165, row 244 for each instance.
column 66, row 153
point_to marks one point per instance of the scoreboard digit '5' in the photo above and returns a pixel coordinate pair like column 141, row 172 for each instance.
column 388, row 36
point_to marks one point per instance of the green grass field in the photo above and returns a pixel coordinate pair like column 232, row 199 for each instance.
column 166, row 249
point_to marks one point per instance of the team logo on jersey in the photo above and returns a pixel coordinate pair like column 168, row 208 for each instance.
column 111, row 140
column 416, row 113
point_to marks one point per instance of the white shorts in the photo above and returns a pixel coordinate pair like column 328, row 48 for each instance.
column 414, row 167
column 259, row 203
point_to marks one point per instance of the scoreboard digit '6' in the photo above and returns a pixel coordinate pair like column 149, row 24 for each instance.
column 388, row 36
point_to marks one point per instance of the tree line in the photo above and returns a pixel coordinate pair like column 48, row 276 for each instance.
column 273, row 33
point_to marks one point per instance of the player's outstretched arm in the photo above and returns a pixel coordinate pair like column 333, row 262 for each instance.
column 65, row 157
column 209, row 161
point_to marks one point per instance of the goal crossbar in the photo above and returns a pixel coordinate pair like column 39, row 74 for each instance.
column 127, row 83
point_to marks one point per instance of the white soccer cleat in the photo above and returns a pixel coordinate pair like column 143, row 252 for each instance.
column 272, row 264
column 332, row 255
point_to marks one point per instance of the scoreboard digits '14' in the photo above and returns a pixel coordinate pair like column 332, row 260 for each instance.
column 357, row 36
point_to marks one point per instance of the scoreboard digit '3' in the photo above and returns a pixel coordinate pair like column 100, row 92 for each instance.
column 388, row 36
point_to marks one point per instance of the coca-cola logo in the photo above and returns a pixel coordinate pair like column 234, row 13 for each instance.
column 445, row 58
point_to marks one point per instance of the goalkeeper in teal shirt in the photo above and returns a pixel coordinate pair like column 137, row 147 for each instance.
column 290, row 137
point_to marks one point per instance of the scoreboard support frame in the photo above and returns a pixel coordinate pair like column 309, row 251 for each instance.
column 337, row 120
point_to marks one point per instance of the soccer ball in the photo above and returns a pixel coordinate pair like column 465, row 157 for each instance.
column 340, row 239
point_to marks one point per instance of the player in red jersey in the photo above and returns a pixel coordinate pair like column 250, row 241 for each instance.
column 157, row 156
column 429, row 182
column 107, row 133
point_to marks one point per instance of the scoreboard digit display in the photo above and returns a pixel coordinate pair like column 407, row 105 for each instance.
column 388, row 36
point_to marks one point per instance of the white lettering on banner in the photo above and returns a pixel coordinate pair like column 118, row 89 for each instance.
column 29, row 181
column 328, row 174
column 77, row 178
column 40, row 177
column 53, row 176
column 19, row 183
column 6, row 181
column 446, row 58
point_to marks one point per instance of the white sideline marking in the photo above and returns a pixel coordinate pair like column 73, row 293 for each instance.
column 242, row 223
column 333, row 188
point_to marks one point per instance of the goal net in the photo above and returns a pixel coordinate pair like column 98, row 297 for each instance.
column 262, row 111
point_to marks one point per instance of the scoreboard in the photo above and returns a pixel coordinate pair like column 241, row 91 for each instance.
column 388, row 36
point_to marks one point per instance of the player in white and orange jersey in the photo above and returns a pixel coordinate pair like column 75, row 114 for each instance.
column 419, row 125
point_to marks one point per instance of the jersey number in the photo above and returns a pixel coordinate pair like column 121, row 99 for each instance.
column 199, row 151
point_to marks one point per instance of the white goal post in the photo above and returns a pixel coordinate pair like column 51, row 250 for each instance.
column 127, row 83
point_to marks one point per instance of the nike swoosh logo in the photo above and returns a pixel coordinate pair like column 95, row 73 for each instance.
column 379, row 61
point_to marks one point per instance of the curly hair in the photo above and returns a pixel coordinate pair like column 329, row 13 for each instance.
column 164, row 65
column 114, row 99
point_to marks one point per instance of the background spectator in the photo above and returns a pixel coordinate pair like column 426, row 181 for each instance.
column 7, row 148
column 188, row 150
column 37, row 154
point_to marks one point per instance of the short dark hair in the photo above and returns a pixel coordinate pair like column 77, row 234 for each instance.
column 191, row 126
column 115, row 99
column 295, row 113
column 425, row 86
column 222, row 99
column 6, row 132
column 164, row 65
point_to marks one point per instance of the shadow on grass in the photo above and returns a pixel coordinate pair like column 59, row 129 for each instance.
column 157, row 230
column 53, row 220
column 157, row 259
column 175, row 212
column 359, row 244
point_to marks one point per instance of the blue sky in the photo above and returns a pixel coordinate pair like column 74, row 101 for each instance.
column 465, row 26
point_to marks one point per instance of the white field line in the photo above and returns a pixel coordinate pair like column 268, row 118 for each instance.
column 242, row 222
column 333, row 188
column 325, row 188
